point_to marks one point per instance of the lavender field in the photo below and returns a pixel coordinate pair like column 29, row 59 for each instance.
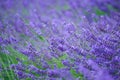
column 59, row 39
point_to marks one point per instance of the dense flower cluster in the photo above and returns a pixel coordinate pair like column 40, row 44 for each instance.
column 59, row 40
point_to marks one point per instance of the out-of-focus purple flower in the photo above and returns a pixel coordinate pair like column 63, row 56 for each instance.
column 21, row 74
column 53, row 73
column 1, row 40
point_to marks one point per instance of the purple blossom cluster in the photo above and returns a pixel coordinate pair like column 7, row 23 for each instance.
column 59, row 40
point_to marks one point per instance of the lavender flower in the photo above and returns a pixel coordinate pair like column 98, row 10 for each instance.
column 60, row 40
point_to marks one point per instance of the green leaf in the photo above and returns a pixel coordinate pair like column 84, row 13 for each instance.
column 57, row 62
column 28, row 79
column 8, row 74
column 6, row 60
column 63, row 57
column 41, row 38
column 76, row 75
column 16, row 54
column 88, row 56
column 99, row 12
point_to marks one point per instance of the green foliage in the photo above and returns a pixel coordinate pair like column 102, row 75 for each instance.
column 95, row 19
column 23, row 36
column 16, row 54
column 58, row 61
column 28, row 79
column 7, row 74
column 41, row 38
column 63, row 57
column 76, row 75
column 26, row 21
column 25, row 11
column 64, row 7
column 110, row 7
column 99, row 12
column 6, row 60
